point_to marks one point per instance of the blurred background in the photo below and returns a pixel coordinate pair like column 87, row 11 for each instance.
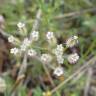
column 63, row 17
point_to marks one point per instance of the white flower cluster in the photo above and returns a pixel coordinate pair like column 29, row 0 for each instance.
column 11, row 39
column 32, row 52
column 58, row 71
column 46, row 58
column 20, row 25
column 72, row 41
column 2, row 85
column 73, row 58
column 50, row 35
column 55, row 49
column 35, row 36
column 25, row 44
column 59, row 53
column 14, row 51
column 51, row 38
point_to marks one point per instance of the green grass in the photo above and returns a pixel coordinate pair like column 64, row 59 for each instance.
column 82, row 25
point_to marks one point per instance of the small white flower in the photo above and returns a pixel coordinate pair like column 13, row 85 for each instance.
column 35, row 35
column 72, row 41
column 46, row 58
column 25, row 44
column 51, row 39
column 75, row 37
column 73, row 58
column 50, row 35
column 32, row 52
column 14, row 51
column 60, row 59
column 20, row 25
column 2, row 85
column 58, row 71
column 59, row 50
column 23, row 47
column 11, row 39
column 59, row 53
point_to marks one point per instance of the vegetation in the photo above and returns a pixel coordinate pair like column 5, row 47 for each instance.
column 30, row 75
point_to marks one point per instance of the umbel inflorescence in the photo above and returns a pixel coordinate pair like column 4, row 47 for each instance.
column 53, row 57
column 57, row 54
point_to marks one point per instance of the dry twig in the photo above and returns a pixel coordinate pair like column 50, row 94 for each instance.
column 87, row 86
column 76, row 13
